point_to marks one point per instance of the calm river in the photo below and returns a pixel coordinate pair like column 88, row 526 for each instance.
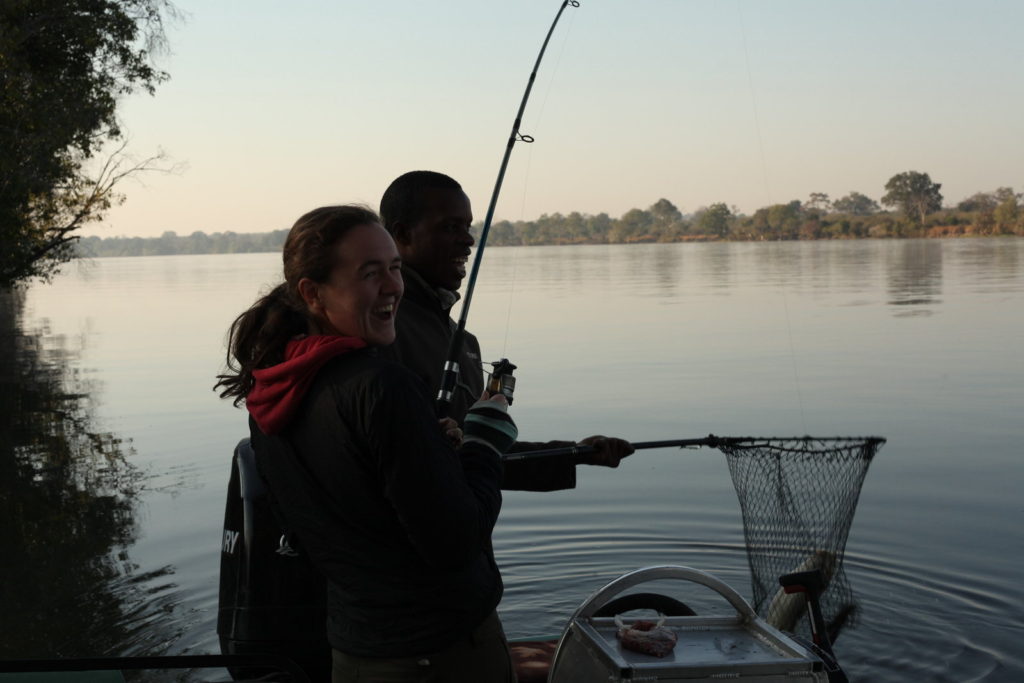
column 919, row 341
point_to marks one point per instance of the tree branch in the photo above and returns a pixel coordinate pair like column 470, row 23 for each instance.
column 99, row 195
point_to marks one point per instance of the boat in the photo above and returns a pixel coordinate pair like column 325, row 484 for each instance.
column 273, row 601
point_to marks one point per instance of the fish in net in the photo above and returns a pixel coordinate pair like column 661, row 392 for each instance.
column 797, row 498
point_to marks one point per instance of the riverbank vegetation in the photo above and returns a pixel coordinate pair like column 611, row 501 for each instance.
column 915, row 202
column 65, row 67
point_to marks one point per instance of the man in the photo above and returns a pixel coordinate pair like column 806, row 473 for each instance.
column 429, row 216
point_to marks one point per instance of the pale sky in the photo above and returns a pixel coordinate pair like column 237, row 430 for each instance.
column 278, row 107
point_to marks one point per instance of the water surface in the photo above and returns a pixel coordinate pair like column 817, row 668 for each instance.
column 918, row 341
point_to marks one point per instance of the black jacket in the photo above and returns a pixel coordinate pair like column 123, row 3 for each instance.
column 424, row 328
column 396, row 519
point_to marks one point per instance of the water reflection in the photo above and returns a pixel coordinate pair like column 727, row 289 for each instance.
column 69, row 499
column 716, row 266
column 855, row 267
column 778, row 264
column 914, row 273
column 666, row 270
column 990, row 265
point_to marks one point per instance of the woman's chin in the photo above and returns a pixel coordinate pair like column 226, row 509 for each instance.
column 380, row 337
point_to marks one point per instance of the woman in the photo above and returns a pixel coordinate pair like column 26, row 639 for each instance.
column 397, row 518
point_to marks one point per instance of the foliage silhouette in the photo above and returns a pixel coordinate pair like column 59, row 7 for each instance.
column 65, row 66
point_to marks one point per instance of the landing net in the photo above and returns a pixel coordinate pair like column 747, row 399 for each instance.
column 797, row 496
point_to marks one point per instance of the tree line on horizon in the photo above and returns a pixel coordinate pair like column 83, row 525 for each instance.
column 916, row 203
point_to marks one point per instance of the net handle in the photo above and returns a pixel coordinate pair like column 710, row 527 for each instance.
column 711, row 441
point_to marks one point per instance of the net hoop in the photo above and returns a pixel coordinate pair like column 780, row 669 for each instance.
column 797, row 497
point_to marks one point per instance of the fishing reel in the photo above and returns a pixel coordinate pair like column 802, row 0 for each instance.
column 502, row 381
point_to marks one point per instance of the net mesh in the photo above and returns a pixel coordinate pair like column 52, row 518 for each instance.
column 797, row 497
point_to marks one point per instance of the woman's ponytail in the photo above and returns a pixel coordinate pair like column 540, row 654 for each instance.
column 258, row 337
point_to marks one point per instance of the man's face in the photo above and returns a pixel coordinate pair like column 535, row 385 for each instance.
column 437, row 244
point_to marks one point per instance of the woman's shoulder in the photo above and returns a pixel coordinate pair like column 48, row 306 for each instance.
column 370, row 368
column 363, row 383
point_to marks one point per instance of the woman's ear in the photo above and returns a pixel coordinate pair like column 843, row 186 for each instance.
column 310, row 293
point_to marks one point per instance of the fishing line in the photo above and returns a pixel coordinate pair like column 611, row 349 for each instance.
column 450, row 371
column 526, row 175
column 753, row 103
column 768, row 193
column 792, row 357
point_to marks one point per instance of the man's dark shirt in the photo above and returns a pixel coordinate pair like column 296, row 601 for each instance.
column 424, row 328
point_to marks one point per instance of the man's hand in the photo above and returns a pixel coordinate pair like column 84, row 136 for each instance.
column 450, row 428
column 608, row 451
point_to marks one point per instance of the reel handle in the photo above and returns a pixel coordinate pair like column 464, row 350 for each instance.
column 502, row 380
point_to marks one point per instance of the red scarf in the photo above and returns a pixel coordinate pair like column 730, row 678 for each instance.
column 279, row 389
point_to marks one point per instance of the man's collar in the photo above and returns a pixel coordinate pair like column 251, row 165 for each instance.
column 446, row 298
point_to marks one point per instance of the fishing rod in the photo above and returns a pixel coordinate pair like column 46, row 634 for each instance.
column 711, row 441
column 501, row 379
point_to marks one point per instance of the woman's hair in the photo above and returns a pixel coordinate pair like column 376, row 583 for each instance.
column 257, row 337
column 403, row 200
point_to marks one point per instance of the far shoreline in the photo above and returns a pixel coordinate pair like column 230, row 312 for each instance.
column 257, row 243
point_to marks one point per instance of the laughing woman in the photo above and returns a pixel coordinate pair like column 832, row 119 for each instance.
column 396, row 517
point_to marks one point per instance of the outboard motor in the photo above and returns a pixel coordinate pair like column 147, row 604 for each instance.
column 272, row 600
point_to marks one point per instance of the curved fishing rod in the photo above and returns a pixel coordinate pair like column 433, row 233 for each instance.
column 451, row 366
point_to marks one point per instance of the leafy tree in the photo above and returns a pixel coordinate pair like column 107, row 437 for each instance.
column 914, row 193
column 778, row 221
column 819, row 201
column 63, row 66
column 855, row 204
column 1007, row 213
column 502, row 234
column 633, row 226
column 666, row 220
column 598, row 227
column 1007, row 194
column 198, row 243
column 548, row 227
column 575, row 227
column 715, row 220
column 979, row 201
column 811, row 229
column 991, row 212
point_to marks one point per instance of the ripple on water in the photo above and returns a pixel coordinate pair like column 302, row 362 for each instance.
column 546, row 580
column 923, row 623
